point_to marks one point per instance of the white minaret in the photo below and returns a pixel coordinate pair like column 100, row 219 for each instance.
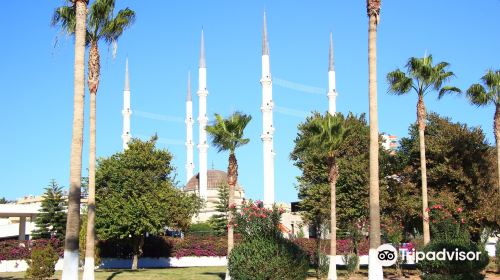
column 332, row 92
column 189, row 132
column 126, row 112
column 202, row 120
column 267, row 121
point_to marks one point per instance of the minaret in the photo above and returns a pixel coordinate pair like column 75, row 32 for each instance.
column 332, row 92
column 126, row 112
column 202, row 120
column 189, row 132
column 267, row 121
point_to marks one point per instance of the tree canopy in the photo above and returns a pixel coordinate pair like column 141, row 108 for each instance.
column 461, row 174
column 135, row 193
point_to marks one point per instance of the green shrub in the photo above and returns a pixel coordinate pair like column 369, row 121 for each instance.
column 42, row 263
column 351, row 263
column 453, row 269
column 268, row 259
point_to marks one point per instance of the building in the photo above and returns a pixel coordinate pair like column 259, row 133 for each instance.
column 390, row 143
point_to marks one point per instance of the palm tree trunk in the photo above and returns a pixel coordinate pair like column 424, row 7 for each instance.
column 423, row 167
column 332, row 178
column 374, row 269
column 496, row 128
column 93, row 83
column 71, row 246
column 232, row 178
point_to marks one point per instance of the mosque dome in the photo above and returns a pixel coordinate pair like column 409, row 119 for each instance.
column 215, row 179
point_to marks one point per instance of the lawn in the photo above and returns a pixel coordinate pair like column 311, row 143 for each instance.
column 191, row 273
column 208, row 273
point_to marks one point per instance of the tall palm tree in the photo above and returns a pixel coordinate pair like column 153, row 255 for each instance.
column 77, row 27
column 422, row 77
column 489, row 94
column 101, row 25
column 227, row 135
column 373, row 11
column 327, row 133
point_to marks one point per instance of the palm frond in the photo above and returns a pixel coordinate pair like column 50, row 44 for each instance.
column 115, row 27
column 448, row 89
column 227, row 133
column 478, row 96
column 399, row 83
column 65, row 18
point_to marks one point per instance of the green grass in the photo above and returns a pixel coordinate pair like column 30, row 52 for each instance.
column 189, row 273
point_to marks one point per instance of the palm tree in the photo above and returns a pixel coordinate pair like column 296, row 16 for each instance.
column 373, row 11
column 77, row 27
column 422, row 77
column 227, row 135
column 102, row 25
column 327, row 133
column 481, row 96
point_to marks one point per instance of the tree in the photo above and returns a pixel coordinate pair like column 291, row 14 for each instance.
column 423, row 77
column 218, row 222
column 327, row 134
column 3, row 200
column 101, row 25
column 461, row 171
column 51, row 220
column 135, row 195
column 78, row 28
column 227, row 135
column 373, row 11
column 489, row 94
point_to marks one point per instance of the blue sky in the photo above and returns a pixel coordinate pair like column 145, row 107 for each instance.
column 37, row 78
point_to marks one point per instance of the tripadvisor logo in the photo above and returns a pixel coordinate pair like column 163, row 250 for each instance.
column 388, row 255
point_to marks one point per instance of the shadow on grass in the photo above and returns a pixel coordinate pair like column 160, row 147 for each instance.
column 222, row 275
column 118, row 272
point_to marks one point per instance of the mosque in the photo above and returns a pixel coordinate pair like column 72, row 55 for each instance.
column 206, row 182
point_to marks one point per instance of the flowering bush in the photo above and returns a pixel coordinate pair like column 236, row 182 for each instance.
column 201, row 246
column 447, row 223
column 19, row 250
column 263, row 252
column 254, row 220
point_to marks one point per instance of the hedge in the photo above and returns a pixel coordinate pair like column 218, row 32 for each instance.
column 161, row 246
column 21, row 250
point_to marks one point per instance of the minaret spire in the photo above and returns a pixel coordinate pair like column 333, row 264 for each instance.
column 267, row 120
column 202, row 120
column 126, row 112
column 332, row 91
column 189, row 132
column 331, row 65
column 203, row 63
column 265, row 42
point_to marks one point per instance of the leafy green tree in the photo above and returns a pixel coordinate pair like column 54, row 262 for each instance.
column 136, row 195
column 102, row 25
column 461, row 173
column 227, row 135
column 3, row 200
column 219, row 221
column 489, row 94
column 422, row 77
column 51, row 220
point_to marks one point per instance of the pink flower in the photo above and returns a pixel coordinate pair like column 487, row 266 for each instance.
column 459, row 209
